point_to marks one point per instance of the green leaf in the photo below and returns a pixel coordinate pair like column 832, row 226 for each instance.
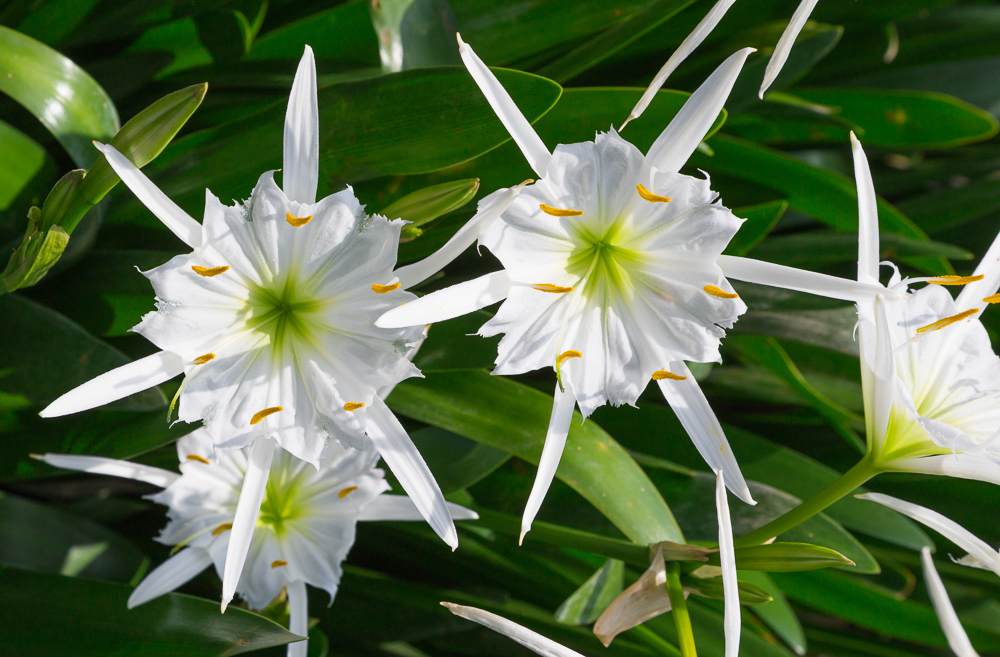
column 712, row 588
column 457, row 462
column 778, row 614
column 760, row 220
column 45, row 614
column 60, row 94
column 831, row 329
column 49, row 355
column 949, row 208
column 356, row 41
column 481, row 407
column 821, row 247
column 37, row 537
column 21, row 158
column 594, row 595
column 34, row 257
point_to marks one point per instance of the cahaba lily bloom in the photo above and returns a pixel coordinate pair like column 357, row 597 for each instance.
column 612, row 273
column 304, row 531
column 270, row 318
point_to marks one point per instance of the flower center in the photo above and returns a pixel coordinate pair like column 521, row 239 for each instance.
column 284, row 312
column 285, row 499
column 603, row 264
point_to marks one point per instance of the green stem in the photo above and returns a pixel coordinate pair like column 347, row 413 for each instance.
column 682, row 619
column 843, row 486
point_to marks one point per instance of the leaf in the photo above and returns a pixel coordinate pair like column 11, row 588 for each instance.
column 457, row 462
column 21, row 159
column 821, row 247
column 949, row 208
column 50, row 355
column 778, row 614
column 831, row 329
column 68, row 102
column 356, row 42
column 594, row 595
column 453, row 345
column 38, row 537
column 45, row 614
column 481, row 407
column 783, row 557
column 760, row 220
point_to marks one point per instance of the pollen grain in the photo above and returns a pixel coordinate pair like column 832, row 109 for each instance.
column 993, row 298
column 559, row 212
column 660, row 375
column 199, row 459
column 204, row 358
column 647, row 195
column 224, row 527
column 350, row 407
column 210, row 272
column 554, row 289
column 951, row 279
column 344, row 492
column 297, row 221
column 566, row 355
column 260, row 415
column 385, row 289
column 947, row 321
column 278, row 563
column 720, row 293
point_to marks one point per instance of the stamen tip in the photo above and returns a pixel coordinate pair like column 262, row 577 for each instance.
column 37, row 457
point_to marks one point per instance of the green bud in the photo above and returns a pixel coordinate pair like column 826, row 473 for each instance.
column 429, row 203
column 36, row 255
column 712, row 588
column 787, row 557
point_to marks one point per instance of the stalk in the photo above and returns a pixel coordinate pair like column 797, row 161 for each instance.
column 682, row 619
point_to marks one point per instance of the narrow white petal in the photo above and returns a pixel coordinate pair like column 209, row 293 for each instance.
column 868, row 245
column 170, row 575
column 972, row 295
column 520, row 130
column 785, row 43
column 676, row 143
column 693, row 40
column 555, row 441
column 698, row 419
column 885, row 373
column 953, row 630
column 300, row 173
column 800, row 280
column 114, row 467
column 531, row 640
column 418, row 272
column 727, row 559
column 120, row 382
column 179, row 222
column 298, row 617
column 401, row 508
column 251, row 496
column 943, row 525
column 411, row 470
column 960, row 466
column 454, row 301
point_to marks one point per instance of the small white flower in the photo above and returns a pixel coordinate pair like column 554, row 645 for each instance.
column 305, row 528
column 271, row 320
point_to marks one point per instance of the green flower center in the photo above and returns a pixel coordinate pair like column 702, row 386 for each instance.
column 602, row 262
column 285, row 500
column 284, row 312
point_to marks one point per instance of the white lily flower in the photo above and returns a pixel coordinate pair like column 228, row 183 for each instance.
column 270, row 319
column 958, row 640
column 715, row 15
column 304, row 531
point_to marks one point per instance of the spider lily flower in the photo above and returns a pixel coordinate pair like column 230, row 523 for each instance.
column 304, row 531
column 778, row 58
column 958, row 640
column 270, row 320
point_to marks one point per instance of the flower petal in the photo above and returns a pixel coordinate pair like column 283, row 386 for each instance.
column 301, row 150
column 179, row 222
column 868, row 245
column 692, row 41
column 785, row 43
column 450, row 302
column 120, row 382
column 800, row 280
column 695, row 413
column 727, row 559
column 962, row 466
column 114, row 467
column 972, row 295
column 520, row 130
column 298, row 617
column 530, row 640
column 555, row 441
column 173, row 573
column 401, row 508
column 947, row 527
column 646, row 598
column 676, row 143
column 411, row 470
column 953, row 631
column 885, row 373
column 251, row 496
column 489, row 209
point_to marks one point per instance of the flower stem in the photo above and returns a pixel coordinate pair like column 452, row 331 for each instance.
column 843, row 486
column 682, row 619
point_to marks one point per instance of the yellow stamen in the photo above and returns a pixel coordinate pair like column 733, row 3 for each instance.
column 260, row 415
column 350, row 407
column 344, row 492
column 719, row 292
column 209, row 273
column 385, row 289
column 993, row 298
column 297, row 221
column 201, row 360
column 566, row 355
column 941, row 323
column 278, row 563
column 650, row 196
column 549, row 287
column 559, row 212
column 224, row 527
column 659, row 375
column 199, row 459
column 950, row 279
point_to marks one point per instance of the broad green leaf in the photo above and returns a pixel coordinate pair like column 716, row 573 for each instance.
column 60, row 94
column 49, row 355
column 760, row 220
column 457, row 462
column 482, row 407
column 949, row 208
column 45, row 614
column 453, row 345
column 778, row 614
column 594, row 595
column 830, row 329
column 820, row 247
column 21, row 158
column 356, row 41
column 38, row 537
